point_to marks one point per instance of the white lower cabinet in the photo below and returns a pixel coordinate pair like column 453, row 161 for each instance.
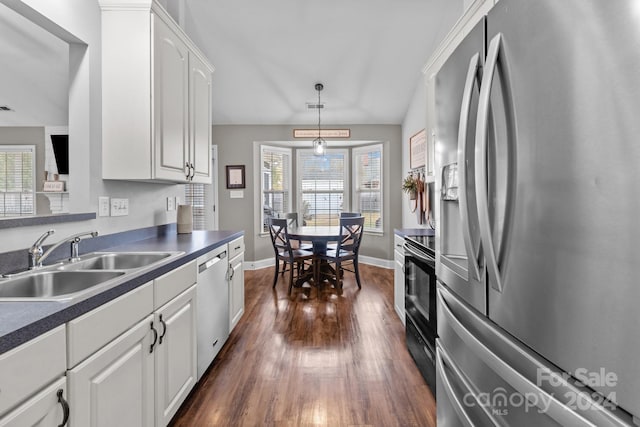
column 236, row 290
column 47, row 408
column 130, row 362
column 175, row 354
column 142, row 376
column 398, row 277
column 115, row 386
column 30, row 377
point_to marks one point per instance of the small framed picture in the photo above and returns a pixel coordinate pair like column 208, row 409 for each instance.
column 417, row 150
column 235, row 176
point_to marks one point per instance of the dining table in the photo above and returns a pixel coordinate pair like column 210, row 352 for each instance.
column 319, row 236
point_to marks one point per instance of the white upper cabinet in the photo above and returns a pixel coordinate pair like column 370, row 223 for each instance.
column 156, row 98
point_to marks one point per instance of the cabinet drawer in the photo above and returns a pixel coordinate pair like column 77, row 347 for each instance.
column 43, row 409
column 398, row 243
column 173, row 283
column 236, row 247
column 29, row 367
column 91, row 331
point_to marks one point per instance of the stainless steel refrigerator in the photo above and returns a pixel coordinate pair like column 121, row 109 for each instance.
column 538, row 138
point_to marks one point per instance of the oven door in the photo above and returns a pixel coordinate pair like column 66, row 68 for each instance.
column 420, row 289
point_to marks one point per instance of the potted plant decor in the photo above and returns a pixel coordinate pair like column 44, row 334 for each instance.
column 410, row 186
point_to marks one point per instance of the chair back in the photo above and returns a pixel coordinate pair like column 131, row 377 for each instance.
column 350, row 234
column 280, row 237
column 350, row 214
column 292, row 219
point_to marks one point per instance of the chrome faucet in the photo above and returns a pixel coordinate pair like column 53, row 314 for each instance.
column 36, row 257
column 35, row 251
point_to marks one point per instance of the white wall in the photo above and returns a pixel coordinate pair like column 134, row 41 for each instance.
column 79, row 22
column 414, row 121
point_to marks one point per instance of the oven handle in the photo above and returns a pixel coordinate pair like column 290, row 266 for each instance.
column 420, row 255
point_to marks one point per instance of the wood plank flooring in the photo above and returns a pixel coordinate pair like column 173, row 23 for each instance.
column 313, row 359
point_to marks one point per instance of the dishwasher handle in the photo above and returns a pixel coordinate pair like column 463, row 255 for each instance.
column 213, row 261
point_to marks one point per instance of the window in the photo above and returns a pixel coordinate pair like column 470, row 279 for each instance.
column 17, row 180
column 321, row 184
column 275, row 183
column 195, row 196
column 367, row 183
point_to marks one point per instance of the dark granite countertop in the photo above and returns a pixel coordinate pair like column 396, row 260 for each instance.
column 403, row 232
column 24, row 320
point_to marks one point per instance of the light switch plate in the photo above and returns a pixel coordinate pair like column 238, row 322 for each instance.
column 103, row 206
column 171, row 204
column 119, row 207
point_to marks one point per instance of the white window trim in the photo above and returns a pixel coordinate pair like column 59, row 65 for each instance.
column 366, row 149
column 346, row 194
column 32, row 148
column 284, row 150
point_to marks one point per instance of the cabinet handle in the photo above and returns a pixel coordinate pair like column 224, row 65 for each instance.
column 155, row 338
column 65, row 408
column 231, row 272
column 164, row 330
column 188, row 171
column 193, row 171
column 237, row 247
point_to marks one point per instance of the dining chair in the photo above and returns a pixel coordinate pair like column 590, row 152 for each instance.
column 347, row 249
column 293, row 258
column 344, row 215
column 292, row 221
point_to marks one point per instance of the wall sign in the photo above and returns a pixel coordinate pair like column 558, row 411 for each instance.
column 324, row 133
column 417, row 150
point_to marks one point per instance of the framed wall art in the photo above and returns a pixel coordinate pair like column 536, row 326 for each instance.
column 235, row 176
column 418, row 150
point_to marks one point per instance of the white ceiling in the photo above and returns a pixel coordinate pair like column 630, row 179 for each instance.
column 268, row 55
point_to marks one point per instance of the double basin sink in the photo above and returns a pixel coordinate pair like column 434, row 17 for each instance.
column 69, row 280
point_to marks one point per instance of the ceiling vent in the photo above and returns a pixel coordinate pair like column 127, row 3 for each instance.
column 5, row 108
column 314, row 105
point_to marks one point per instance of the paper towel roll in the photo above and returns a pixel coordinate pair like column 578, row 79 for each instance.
column 185, row 219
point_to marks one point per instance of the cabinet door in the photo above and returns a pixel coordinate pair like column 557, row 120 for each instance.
column 42, row 410
column 171, row 76
column 115, row 386
column 199, row 120
column 176, row 354
column 398, row 285
column 236, row 291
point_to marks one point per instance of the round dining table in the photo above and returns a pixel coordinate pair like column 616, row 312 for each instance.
column 319, row 236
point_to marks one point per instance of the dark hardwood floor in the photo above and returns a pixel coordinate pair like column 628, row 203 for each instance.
column 313, row 359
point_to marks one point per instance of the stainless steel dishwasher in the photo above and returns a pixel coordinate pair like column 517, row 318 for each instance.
column 213, row 306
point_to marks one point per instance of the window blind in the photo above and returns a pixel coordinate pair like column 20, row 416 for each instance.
column 321, row 183
column 195, row 195
column 275, row 183
column 17, row 186
column 367, row 166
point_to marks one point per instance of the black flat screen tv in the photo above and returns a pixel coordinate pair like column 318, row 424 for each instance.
column 61, row 152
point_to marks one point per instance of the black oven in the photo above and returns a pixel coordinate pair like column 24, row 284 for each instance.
column 420, row 304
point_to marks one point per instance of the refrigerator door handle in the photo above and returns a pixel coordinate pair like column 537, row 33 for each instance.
column 553, row 407
column 472, row 253
column 481, row 177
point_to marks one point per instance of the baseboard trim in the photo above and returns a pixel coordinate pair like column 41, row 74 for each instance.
column 269, row 262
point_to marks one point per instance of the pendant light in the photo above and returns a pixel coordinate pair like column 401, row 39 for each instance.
column 319, row 144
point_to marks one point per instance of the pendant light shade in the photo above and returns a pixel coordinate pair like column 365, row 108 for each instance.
column 319, row 144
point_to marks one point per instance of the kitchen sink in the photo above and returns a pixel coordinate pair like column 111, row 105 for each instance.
column 119, row 261
column 71, row 279
column 52, row 285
